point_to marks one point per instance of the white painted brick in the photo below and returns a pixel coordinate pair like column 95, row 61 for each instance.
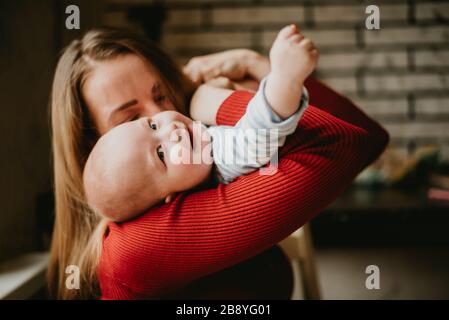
column 267, row 38
column 258, row 15
column 331, row 37
column 320, row 37
column 383, row 106
column 356, row 13
column 173, row 2
column 412, row 35
column 342, row 84
column 444, row 152
column 407, row 82
column 383, row 59
column 207, row 40
column 430, row 106
column 183, row 18
column 433, row 58
column 432, row 11
column 423, row 130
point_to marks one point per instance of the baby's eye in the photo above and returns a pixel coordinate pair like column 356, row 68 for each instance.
column 160, row 153
column 152, row 125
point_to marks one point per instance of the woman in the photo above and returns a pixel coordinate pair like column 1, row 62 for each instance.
column 112, row 76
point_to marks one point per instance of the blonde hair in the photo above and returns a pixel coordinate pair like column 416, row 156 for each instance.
column 78, row 230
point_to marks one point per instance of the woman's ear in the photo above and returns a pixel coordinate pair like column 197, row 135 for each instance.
column 170, row 197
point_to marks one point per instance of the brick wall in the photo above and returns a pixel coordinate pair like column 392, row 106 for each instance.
column 399, row 74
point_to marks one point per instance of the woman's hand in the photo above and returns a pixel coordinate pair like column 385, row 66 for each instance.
column 216, row 75
column 237, row 65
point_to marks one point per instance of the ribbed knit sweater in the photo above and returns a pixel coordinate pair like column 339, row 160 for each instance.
column 203, row 232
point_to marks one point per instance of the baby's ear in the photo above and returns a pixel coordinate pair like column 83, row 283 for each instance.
column 170, row 197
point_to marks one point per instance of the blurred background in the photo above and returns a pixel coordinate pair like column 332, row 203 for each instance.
column 395, row 216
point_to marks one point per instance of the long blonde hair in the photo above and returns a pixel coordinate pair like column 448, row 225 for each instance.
column 78, row 231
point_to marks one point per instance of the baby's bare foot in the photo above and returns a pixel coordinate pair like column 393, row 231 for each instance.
column 293, row 58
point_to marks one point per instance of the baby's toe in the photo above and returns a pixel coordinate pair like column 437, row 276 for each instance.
column 296, row 38
column 287, row 31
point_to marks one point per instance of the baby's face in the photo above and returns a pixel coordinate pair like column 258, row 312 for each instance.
column 169, row 148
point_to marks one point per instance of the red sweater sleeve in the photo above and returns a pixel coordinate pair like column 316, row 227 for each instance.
column 206, row 231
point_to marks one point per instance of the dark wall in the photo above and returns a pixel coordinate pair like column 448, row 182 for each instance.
column 31, row 35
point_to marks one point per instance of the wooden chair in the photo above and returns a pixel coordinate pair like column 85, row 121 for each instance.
column 299, row 248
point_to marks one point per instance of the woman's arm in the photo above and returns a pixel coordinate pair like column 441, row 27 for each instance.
column 239, row 69
column 329, row 100
column 206, row 101
column 243, row 66
column 222, row 72
column 203, row 232
column 258, row 66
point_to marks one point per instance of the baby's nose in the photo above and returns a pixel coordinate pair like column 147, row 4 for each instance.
column 177, row 125
column 175, row 131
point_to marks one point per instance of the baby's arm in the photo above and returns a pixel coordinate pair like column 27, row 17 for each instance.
column 279, row 103
column 255, row 139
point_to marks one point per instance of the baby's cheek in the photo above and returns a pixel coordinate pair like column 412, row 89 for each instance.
column 196, row 174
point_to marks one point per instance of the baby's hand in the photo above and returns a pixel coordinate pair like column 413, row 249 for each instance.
column 293, row 57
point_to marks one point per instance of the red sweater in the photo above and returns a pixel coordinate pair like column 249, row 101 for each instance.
column 204, row 232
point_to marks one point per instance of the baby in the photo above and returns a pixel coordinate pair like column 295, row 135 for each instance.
column 143, row 162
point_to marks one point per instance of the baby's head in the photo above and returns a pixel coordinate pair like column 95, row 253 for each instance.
column 140, row 163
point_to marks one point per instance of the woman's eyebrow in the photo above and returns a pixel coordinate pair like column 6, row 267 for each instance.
column 156, row 88
column 122, row 107
column 125, row 105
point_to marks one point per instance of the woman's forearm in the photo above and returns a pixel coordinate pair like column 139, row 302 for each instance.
column 205, row 103
column 327, row 99
column 258, row 65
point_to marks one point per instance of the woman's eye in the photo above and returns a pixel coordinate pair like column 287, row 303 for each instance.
column 133, row 118
column 160, row 153
column 160, row 98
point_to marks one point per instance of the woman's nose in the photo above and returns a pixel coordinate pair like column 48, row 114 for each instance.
column 151, row 109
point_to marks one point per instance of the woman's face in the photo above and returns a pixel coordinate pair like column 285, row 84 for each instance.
column 123, row 89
